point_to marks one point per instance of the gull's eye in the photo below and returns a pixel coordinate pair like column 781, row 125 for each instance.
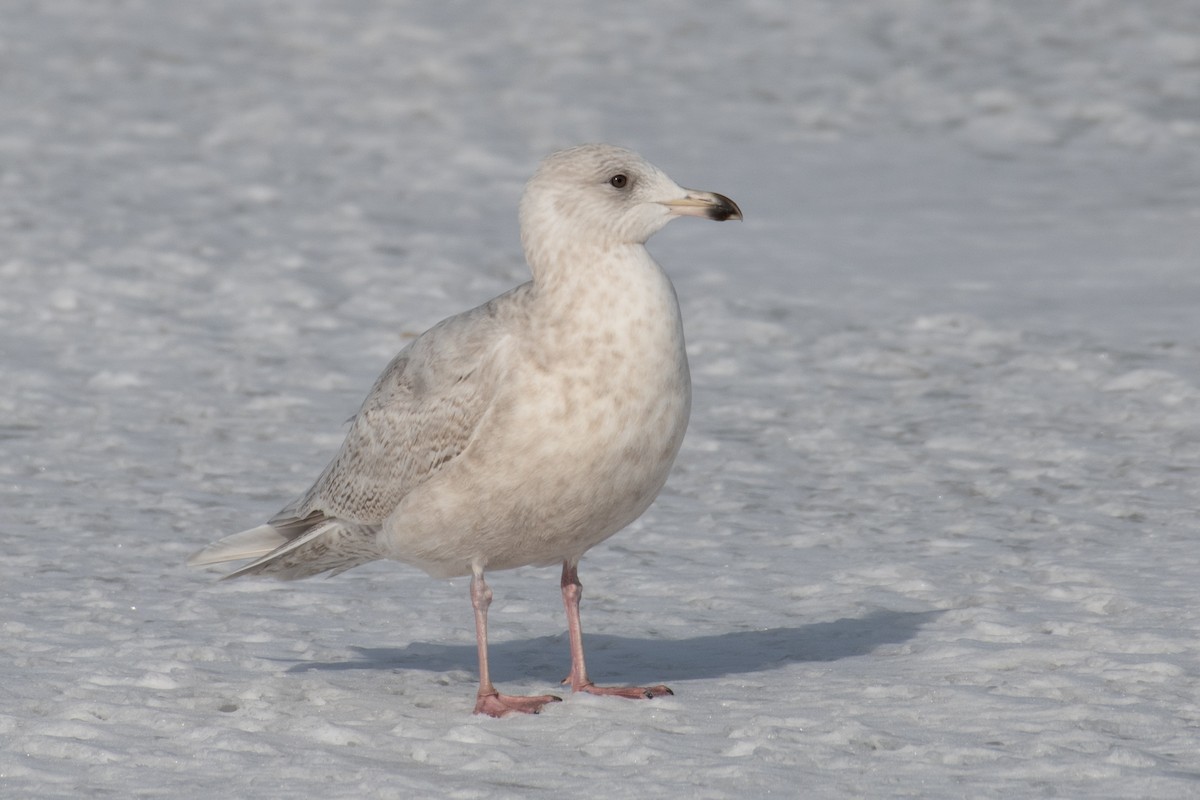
column 618, row 181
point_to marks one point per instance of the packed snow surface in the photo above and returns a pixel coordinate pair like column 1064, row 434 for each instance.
column 932, row 532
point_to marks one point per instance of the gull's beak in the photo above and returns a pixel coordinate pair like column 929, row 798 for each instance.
column 703, row 204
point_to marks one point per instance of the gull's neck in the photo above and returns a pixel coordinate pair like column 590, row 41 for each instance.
column 572, row 266
column 607, row 299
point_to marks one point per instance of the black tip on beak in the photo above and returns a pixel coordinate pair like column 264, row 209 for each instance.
column 723, row 209
column 707, row 205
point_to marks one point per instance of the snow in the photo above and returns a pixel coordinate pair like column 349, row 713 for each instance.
column 931, row 534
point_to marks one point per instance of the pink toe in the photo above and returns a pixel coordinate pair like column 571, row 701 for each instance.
column 498, row 705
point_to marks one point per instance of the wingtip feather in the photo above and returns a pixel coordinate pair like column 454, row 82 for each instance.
column 254, row 543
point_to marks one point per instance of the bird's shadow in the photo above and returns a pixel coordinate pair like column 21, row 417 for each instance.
column 631, row 659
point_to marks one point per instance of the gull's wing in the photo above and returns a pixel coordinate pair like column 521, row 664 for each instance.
column 419, row 416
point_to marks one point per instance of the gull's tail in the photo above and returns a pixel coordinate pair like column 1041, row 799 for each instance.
column 294, row 549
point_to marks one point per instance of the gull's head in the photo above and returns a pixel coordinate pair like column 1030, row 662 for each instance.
column 608, row 195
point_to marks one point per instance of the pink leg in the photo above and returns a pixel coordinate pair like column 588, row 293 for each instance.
column 489, row 701
column 572, row 591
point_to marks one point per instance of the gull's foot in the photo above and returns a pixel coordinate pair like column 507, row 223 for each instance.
column 632, row 692
column 497, row 705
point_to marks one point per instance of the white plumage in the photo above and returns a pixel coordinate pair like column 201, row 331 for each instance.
column 524, row 431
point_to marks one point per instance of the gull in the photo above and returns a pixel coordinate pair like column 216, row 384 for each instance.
column 524, row 431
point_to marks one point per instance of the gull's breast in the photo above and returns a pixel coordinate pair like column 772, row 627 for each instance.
column 578, row 443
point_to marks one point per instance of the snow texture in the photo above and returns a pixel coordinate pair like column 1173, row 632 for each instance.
column 932, row 532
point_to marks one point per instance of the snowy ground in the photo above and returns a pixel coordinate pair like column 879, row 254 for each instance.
column 932, row 533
